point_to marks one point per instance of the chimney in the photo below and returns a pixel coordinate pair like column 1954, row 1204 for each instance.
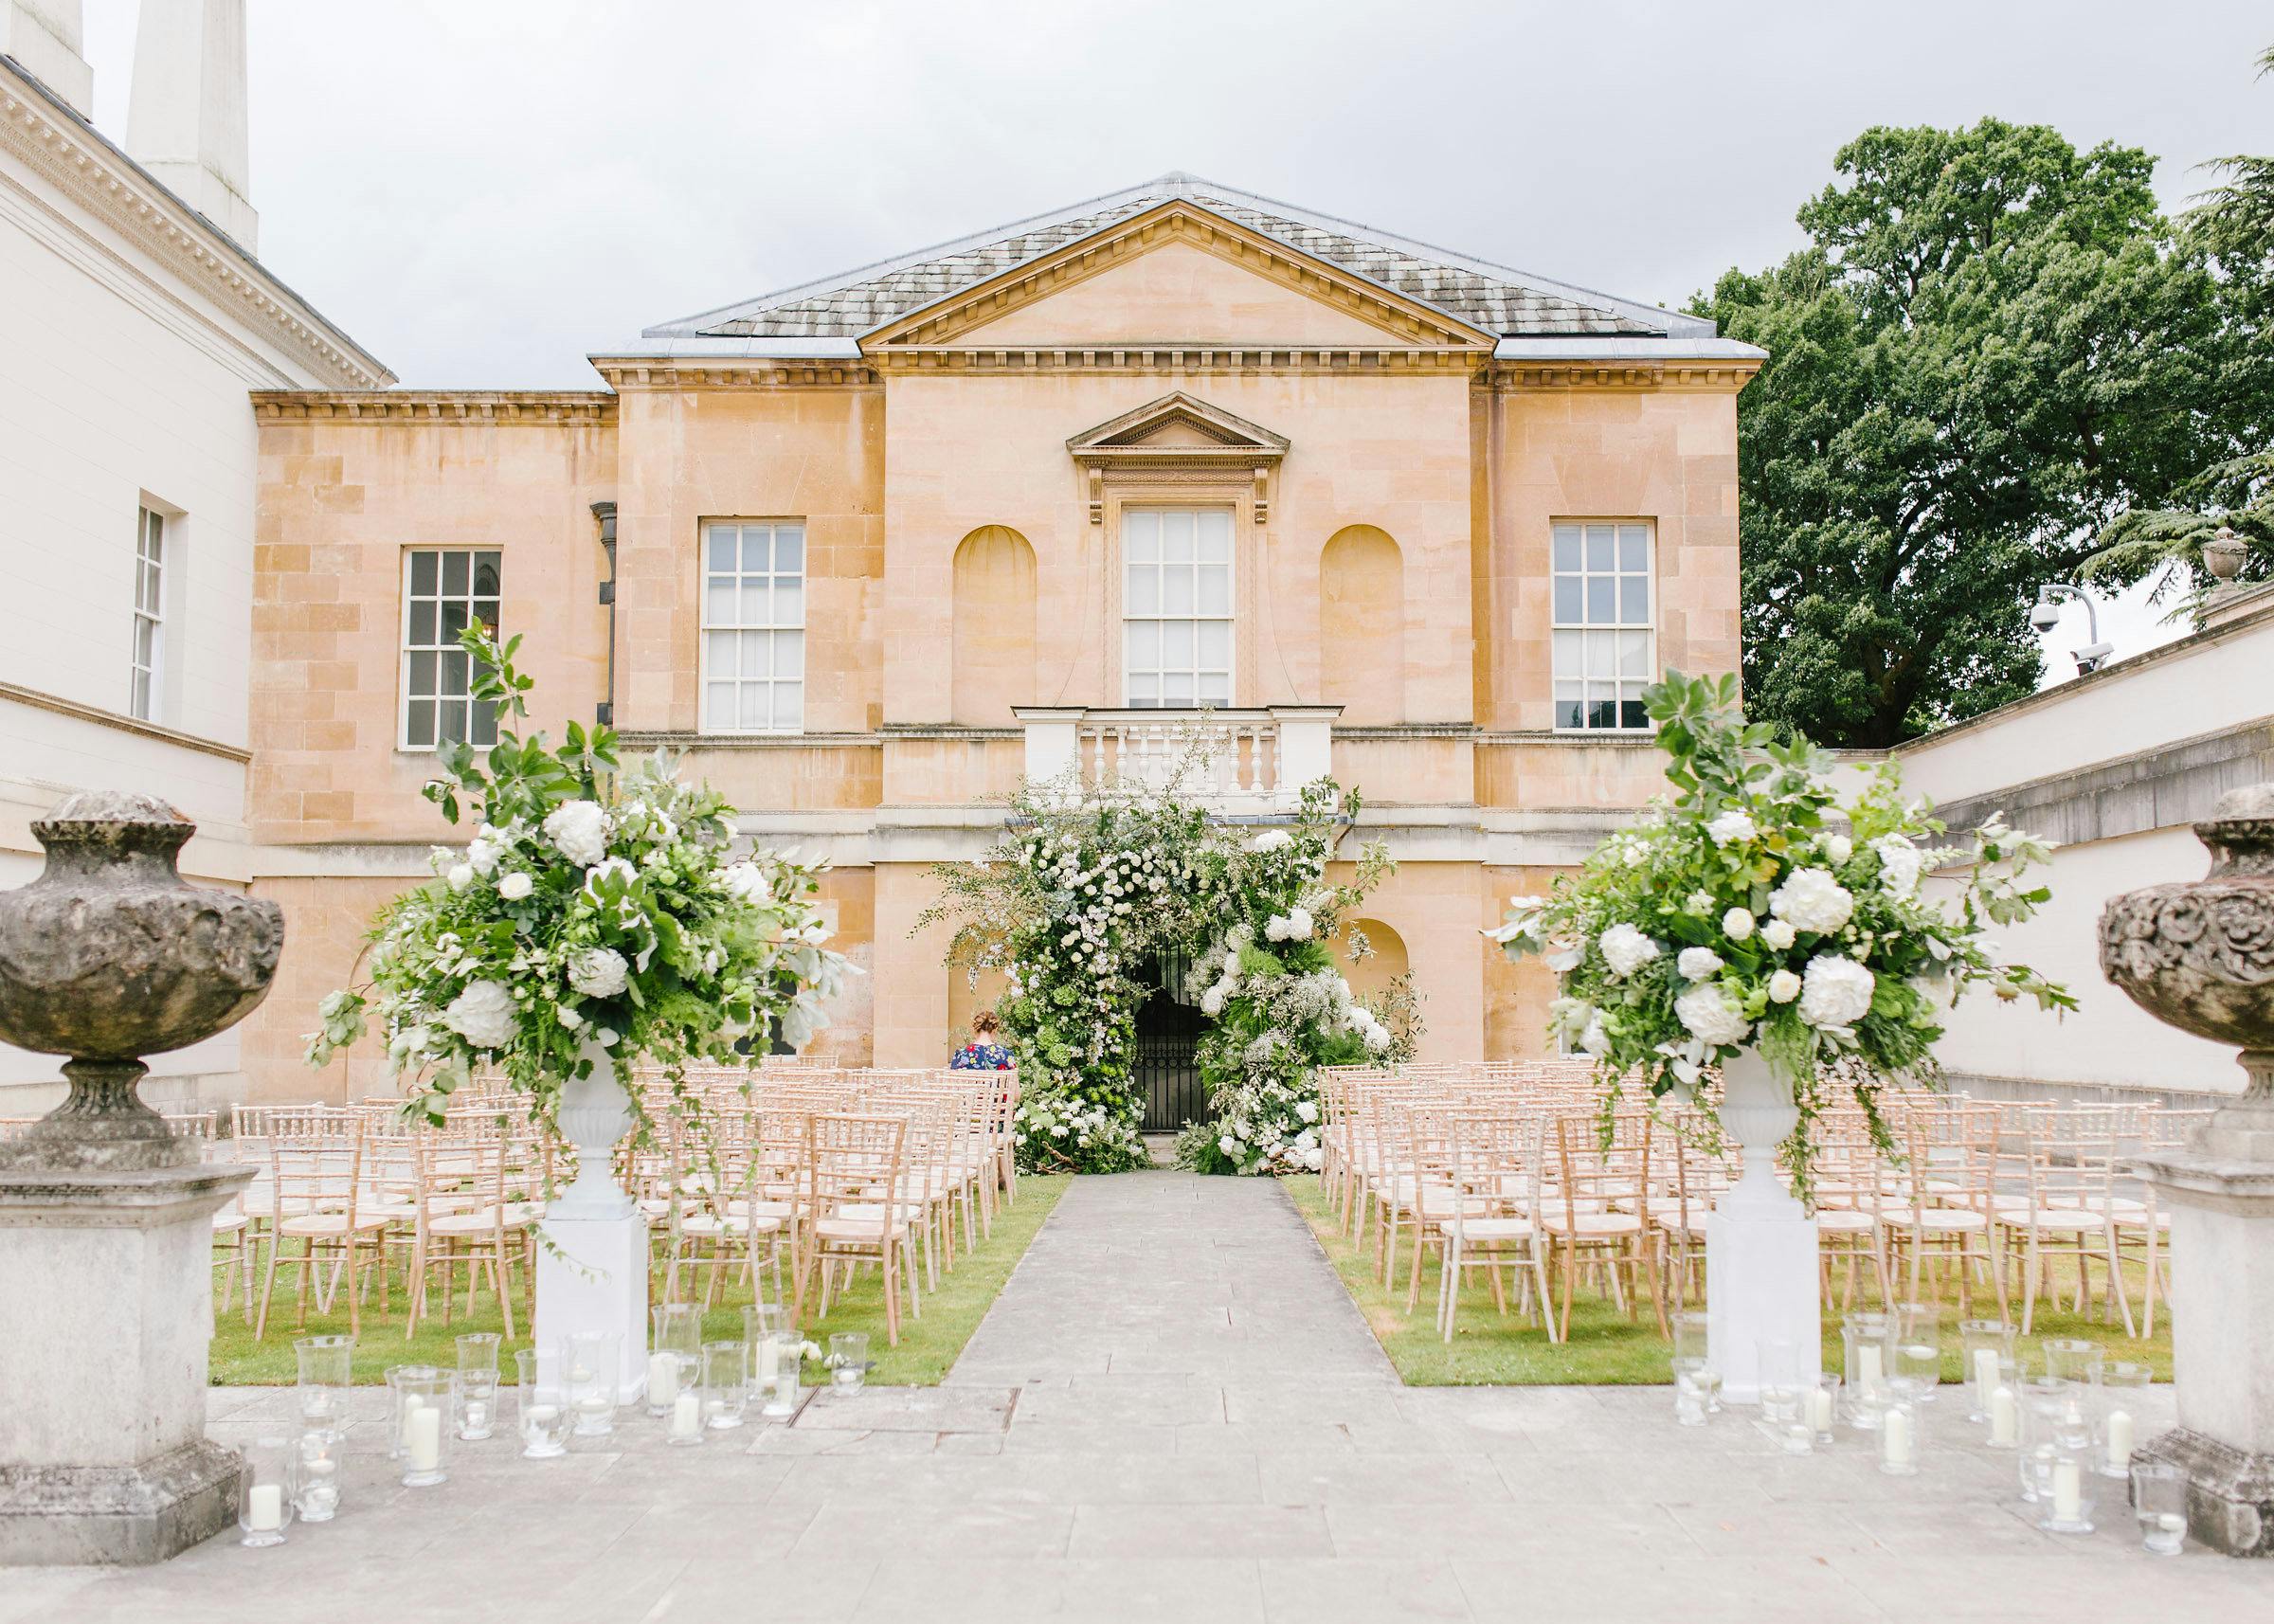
column 45, row 38
column 185, row 120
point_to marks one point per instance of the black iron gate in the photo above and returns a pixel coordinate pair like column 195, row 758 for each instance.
column 1168, row 1031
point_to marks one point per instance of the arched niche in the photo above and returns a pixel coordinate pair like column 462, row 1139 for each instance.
column 1380, row 967
column 1362, row 624
column 994, row 617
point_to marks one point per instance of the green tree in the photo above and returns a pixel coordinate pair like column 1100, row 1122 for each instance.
column 1990, row 346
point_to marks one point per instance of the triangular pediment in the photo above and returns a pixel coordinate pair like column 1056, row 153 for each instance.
column 1179, row 272
column 1178, row 427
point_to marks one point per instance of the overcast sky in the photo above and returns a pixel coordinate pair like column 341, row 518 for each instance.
column 483, row 191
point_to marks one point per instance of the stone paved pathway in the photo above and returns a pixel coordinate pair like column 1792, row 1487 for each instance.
column 1175, row 1413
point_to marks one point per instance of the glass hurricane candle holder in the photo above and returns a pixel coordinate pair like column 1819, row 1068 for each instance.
column 1899, row 1435
column 2053, row 1418
column 2124, row 1390
column 762, row 1325
column 2073, row 1359
column 478, row 1385
column 265, row 1485
column 1984, row 1347
column 2064, row 1488
column 2002, row 1407
column 316, row 1474
column 1820, row 1406
column 544, row 1406
column 593, row 1360
column 1693, row 1340
column 1693, row 1391
column 848, row 1360
column 426, row 1398
column 1865, row 1341
column 325, row 1375
column 784, row 1352
column 726, row 1384
column 1915, row 1354
column 675, row 1356
column 1776, row 1365
column 2159, row 1501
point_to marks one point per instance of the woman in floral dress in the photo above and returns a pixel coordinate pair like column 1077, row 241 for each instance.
column 982, row 1054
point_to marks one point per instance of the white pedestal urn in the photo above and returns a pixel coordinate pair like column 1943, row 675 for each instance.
column 1761, row 1243
column 2200, row 955
column 593, row 1261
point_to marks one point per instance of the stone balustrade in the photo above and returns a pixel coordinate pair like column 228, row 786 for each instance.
column 1235, row 762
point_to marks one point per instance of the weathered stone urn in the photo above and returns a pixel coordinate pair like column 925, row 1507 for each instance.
column 2200, row 955
column 105, row 1216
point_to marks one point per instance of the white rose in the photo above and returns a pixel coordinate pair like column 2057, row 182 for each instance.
column 1212, row 1001
column 1734, row 824
column 1271, row 840
column 515, row 886
column 1812, row 901
column 1306, row 1111
column 1229, row 1146
column 1837, row 992
column 1778, row 933
column 1838, row 849
column 1737, row 923
column 1899, row 864
column 598, row 972
column 1696, row 963
column 1709, row 1016
column 1785, row 986
column 460, row 875
column 482, row 850
column 483, row 1014
column 580, row 830
column 1626, row 949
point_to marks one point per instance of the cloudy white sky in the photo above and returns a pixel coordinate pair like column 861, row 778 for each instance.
column 484, row 190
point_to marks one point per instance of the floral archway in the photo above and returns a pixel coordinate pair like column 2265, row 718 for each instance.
column 1086, row 885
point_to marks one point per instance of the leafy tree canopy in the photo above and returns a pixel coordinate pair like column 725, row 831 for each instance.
column 1992, row 346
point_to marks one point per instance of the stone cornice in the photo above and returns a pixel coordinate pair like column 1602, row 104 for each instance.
column 1711, row 377
column 540, row 407
column 19, row 695
column 72, row 155
column 626, row 374
column 1175, row 357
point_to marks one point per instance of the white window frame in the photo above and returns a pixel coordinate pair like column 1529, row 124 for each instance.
column 1605, row 645
column 1160, row 617
column 146, row 652
column 773, row 639
column 441, row 648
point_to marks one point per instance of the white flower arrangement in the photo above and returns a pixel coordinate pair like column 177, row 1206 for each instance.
column 1802, row 928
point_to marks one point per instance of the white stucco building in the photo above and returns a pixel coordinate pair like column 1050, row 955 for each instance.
column 134, row 320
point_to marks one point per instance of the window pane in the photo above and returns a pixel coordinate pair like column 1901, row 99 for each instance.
column 419, row 732
column 757, row 656
column 1216, row 689
column 1633, row 547
column 422, row 673
column 1216, row 589
column 1176, row 537
column 1568, row 653
column 1216, row 536
column 1176, row 688
column 718, row 704
column 1567, row 600
column 422, row 624
column 1212, row 645
column 755, row 709
column 1144, row 688
column 1567, row 547
column 1142, row 641
column 718, row 601
column 454, row 573
column 757, row 605
column 1145, row 589
column 454, row 675
column 1600, row 652
column 137, row 702
column 789, row 550
column 423, row 567
column 454, row 619
column 485, row 724
column 1599, row 551
column 1602, row 600
column 1567, row 713
column 718, row 653
column 1141, row 535
column 485, row 575
column 146, row 640
column 1630, row 713
column 1176, row 644
column 789, row 654
column 789, row 601
column 485, row 610
column 789, row 704
column 452, row 724
column 721, row 539
column 1176, row 589
column 757, row 549
column 1635, row 599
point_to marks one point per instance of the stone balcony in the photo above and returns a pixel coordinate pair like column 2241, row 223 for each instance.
column 1243, row 763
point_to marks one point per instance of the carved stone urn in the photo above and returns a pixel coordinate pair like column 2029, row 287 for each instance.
column 109, row 956
column 2200, row 956
column 106, row 1218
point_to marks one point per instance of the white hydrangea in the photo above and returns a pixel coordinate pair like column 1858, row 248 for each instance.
column 1271, row 840
column 1626, row 949
column 484, row 849
column 1212, row 1001
column 1836, row 992
column 1707, row 1014
column 1785, row 986
column 483, row 1014
column 1899, row 864
column 1838, row 849
column 1733, row 826
column 515, row 886
column 1778, row 933
column 1737, row 923
column 1315, row 1159
column 460, row 875
column 598, row 972
column 580, row 830
column 1696, row 963
column 1307, row 1110
column 1811, row 899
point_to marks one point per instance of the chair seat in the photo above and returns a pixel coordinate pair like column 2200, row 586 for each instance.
column 706, row 1226
column 1591, row 1225
column 1845, row 1221
column 1486, row 1230
column 452, row 1225
column 2064, row 1219
column 1945, row 1220
column 230, row 1222
column 862, row 1231
column 318, row 1225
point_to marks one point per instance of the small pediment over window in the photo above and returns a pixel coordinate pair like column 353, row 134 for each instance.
column 1178, row 432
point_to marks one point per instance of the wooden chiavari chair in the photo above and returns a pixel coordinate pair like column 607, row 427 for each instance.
column 853, row 1212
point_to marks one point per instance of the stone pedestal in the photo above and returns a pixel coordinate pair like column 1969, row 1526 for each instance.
column 592, row 1276
column 106, row 1297
column 1761, row 1243
column 2222, row 1263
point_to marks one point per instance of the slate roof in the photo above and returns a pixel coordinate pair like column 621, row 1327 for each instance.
column 1504, row 303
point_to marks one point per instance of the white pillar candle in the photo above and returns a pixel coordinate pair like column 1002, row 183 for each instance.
column 1819, row 1408
column 662, row 1378
column 264, row 1507
column 1870, row 1371
column 1896, row 1448
column 2005, row 1417
column 423, row 1437
column 686, row 1416
column 769, row 1358
column 2068, row 1493
column 1985, row 1375
column 2119, row 1439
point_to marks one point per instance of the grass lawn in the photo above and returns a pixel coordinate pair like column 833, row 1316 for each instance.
column 1606, row 1347
column 928, row 1345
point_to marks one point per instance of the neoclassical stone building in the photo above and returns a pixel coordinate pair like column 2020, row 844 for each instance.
column 869, row 548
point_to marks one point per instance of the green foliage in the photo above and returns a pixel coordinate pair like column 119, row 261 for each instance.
column 1992, row 346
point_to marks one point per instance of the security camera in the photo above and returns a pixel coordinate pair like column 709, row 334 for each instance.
column 2044, row 614
column 2091, row 655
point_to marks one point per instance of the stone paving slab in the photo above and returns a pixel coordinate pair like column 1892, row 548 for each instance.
column 1175, row 1411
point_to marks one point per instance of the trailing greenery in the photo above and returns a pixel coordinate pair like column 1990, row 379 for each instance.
column 1759, row 907
column 1992, row 346
column 1087, row 890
